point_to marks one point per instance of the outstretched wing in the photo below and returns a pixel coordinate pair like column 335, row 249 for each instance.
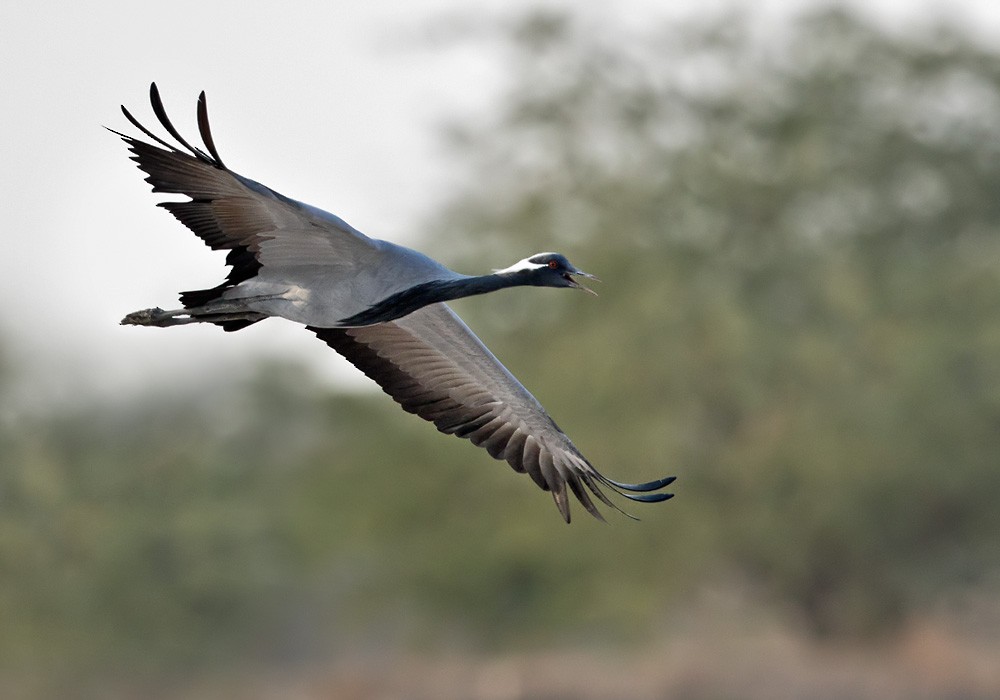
column 434, row 366
column 267, row 234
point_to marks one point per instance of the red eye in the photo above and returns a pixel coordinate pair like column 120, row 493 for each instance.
column 553, row 264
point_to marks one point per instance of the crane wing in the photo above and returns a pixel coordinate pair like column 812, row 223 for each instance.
column 434, row 366
column 269, row 236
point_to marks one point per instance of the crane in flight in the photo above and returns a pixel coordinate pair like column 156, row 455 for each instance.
column 378, row 304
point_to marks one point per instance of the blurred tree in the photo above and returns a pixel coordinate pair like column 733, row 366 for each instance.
column 799, row 231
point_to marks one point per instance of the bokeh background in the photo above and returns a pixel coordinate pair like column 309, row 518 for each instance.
column 795, row 212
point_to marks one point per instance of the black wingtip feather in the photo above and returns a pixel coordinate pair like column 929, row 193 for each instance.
column 645, row 486
column 581, row 495
column 140, row 127
column 206, row 131
column 648, row 497
column 641, row 493
column 638, row 494
column 596, row 490
column 161, row 115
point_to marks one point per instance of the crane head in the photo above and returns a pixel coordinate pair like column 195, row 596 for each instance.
column 549, row 270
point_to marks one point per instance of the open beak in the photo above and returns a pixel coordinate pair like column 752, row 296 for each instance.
column 577, row 285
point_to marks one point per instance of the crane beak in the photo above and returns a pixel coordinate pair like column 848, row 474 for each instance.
column 576, row 285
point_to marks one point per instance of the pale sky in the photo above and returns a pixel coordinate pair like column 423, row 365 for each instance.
column 331, row 103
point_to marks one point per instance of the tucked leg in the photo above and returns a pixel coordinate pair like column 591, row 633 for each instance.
column 210, row 313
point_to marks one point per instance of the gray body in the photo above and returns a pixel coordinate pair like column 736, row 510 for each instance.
column 318, row 270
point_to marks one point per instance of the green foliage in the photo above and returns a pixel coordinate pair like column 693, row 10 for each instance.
column 799, row 244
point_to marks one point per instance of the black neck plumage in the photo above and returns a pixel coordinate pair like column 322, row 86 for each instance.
column 409, row 300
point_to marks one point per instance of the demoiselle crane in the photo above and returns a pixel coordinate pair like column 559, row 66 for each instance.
column 378, row 304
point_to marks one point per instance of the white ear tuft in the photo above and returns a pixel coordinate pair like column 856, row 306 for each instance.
column 520, row 266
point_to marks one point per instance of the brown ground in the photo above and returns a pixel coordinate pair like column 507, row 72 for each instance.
column 929, row 660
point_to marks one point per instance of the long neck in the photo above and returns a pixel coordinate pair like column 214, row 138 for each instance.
column 480, row 284
column 409, row 300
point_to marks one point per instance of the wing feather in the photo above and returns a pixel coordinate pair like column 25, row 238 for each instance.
column 435, row 367
column 205, row 129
